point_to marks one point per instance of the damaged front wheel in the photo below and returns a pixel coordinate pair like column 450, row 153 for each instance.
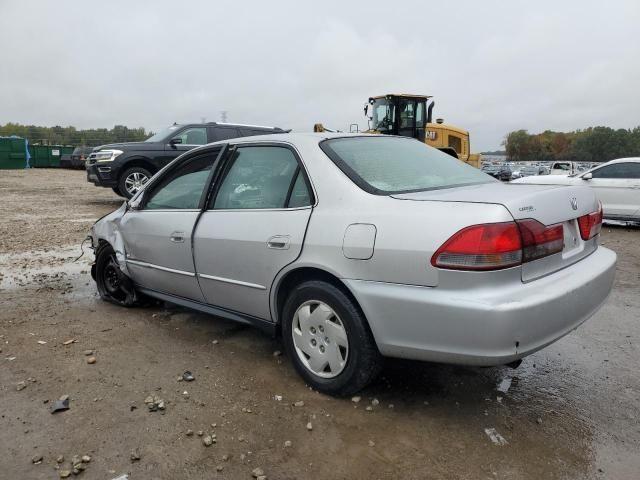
column 113, row 285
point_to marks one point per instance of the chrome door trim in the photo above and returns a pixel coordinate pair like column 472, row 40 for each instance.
column 307, row 207
column 158, row 267
column 234, row 282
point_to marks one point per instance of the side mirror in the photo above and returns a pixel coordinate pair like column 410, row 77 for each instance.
column 587, row 176
column 175, row 141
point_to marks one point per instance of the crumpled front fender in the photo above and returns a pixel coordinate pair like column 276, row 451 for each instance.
column 108, row 229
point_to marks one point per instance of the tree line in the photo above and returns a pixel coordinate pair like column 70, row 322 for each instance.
column 72, row 136
column 593, row 144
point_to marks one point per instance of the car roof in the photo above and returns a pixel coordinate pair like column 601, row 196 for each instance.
column 246, row 125
column 293, row 138
column 622, row 160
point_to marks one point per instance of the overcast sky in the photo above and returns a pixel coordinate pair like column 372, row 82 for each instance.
column 492, row 66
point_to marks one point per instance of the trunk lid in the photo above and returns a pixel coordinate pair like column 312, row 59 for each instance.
column 548, row 204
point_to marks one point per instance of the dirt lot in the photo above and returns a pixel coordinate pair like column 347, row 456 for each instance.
column 569, row 411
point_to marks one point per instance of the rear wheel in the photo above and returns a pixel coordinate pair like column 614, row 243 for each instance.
column 132, row 180
column 116, row 190
column 113, row 285
column 328, row 339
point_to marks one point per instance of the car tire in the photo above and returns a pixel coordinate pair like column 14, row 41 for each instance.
column 349, row 368
column 132, row 180
column 116, row 190
column 113, row 285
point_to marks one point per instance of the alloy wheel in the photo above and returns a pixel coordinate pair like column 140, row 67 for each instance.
column 134, row 182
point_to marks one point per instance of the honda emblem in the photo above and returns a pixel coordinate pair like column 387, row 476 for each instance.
column 574, row 203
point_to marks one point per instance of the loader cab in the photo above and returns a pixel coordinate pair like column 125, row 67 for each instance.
column 405, row 115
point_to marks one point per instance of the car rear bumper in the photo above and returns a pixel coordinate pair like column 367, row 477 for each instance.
column 484, row 325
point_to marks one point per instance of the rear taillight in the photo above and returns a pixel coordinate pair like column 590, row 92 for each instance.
column 591, row 223
column 493, row 246
column 481, row 247
column 539, row 240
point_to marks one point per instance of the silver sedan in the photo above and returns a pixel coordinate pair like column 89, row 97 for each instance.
column 356, row 247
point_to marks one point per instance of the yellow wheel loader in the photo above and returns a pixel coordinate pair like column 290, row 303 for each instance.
column 410, row 116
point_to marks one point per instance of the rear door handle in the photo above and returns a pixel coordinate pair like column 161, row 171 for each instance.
column 280, row 242
column 177, row 237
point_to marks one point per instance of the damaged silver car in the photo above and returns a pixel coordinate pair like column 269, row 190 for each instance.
column 356, row 247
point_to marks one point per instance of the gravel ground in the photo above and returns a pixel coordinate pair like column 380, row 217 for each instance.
column 569, row 411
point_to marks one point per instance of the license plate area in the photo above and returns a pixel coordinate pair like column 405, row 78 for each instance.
column 573, row 243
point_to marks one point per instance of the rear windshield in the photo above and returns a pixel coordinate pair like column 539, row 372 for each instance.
column 386, row 165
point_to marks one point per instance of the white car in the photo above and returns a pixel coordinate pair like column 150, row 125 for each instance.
column 616, row 183
column 562, row 168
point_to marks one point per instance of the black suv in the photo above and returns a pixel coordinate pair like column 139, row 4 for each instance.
column 125, row 167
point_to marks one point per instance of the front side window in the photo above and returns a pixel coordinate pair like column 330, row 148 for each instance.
column 384, row 114
column 385, row 165
column 262, row 177
column 407, row 113
column 193, row 136
column 618, row 170
column 183, row 187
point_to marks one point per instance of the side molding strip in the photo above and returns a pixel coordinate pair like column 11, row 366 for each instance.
column 234, row 282
column 158, row 267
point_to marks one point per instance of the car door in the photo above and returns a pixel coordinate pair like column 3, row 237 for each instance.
column 253, row 227
column 617, row 186
column 158, row 234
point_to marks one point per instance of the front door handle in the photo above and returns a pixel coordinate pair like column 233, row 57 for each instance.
column 280, row 242
column 177, row 237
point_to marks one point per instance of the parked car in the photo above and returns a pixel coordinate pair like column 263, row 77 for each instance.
column 79, row 156
column 532, row 170
column 562, row 168
column 65, row 160
column 616, row 184
column 500, row 172
column 126, row 167
column 357, row 247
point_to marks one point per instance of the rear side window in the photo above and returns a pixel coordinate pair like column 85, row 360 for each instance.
column 262, row 177
column 225, row 133
column 250, row 132
column 618, row 170
column 385, row 165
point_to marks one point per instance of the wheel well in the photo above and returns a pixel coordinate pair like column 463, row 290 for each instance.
column 295, row 277
column 138, row 162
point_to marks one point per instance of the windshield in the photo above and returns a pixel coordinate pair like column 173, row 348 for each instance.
column 163, row 134
column 384, row 114
column 385, row 165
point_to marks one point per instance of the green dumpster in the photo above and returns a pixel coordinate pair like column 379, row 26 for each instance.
column 13, row 153
column 40, row 157
column 47, row 156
